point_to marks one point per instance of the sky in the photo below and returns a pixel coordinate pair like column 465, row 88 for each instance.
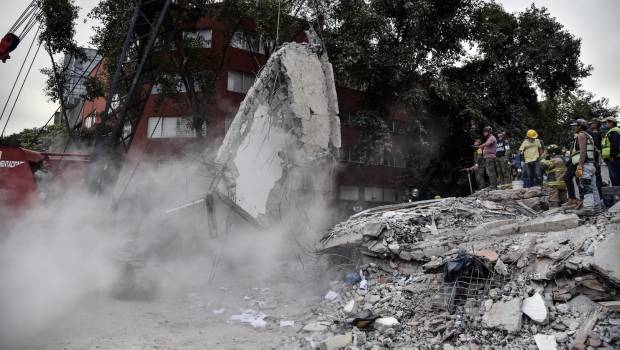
column 594, row 21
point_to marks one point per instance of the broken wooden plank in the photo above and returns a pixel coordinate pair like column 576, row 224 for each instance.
column 582, row 335
column 611, row 305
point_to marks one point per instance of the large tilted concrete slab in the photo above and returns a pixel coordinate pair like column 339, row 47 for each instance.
column 606, row 259
column 280, row 150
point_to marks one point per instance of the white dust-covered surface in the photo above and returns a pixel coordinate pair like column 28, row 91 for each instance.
column 183, row 321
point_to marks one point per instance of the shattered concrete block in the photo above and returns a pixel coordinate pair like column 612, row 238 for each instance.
column 337, row 342
column 545, row 342
column 350, row 307
column 534, row 307
column 491, row 226
column 416, row 255
column 557, row 222
column 383, row 323
column 501, row 268
column 316, row 327
column 374, row 229
column 606, row 259
column 280, row 151
column 504, row 315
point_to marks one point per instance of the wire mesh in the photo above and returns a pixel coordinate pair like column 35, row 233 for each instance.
column 470, row 288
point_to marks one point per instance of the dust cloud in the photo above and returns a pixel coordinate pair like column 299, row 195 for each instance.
column 79, row 247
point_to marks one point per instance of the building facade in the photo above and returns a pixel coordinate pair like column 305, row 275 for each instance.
column 165, row 129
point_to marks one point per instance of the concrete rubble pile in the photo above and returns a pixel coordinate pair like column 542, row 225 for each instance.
column 479, row 272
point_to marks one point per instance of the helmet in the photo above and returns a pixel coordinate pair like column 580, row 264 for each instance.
column 611, row 119
column 580, row 122
column 553, row 149
column 532, row 134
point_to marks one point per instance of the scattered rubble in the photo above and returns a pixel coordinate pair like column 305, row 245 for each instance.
column 493, row 275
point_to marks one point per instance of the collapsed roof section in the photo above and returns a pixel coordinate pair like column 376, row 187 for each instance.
column 280, row 150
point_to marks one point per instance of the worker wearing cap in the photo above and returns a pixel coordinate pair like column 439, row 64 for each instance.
column 596, row 133
column 611, row 150
column 532, row 150
column 555, row 169
column 502, row 162
column 583, row 155
column 489, row 148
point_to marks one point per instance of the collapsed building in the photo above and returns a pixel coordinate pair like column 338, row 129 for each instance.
column 479, row 272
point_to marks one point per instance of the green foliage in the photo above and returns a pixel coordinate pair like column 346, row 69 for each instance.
column 95, row 88
column 58, row 26
column 36, row 139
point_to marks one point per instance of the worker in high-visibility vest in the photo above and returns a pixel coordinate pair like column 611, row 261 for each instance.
column 611, row 150
column 555, row 168
column 583, row 153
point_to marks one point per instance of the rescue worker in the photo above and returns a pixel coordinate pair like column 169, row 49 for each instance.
column 502, row 162
column 597, row 135
column 583, row 155
column 532, row 150
column 489, row 148
column 595, row 132
column 611, row 150
column 555, row 169
column 478, row 168
column 569, row 177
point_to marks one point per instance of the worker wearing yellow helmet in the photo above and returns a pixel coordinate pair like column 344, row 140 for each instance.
column 532, row 151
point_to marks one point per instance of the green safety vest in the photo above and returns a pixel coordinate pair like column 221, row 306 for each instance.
column 590, row 149
column 607, row 144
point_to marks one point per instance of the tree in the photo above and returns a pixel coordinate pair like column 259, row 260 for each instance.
column 36, row 139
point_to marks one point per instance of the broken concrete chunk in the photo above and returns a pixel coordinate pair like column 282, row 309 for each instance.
column 373, row 229
column 383, row 323
column 501, row 268
column 350, row 307
column 534, row 307
column 545, row 342
column 557, row 222
column 504, row 315
column 337, row 341
column 316, row 327
column 606, row 259
column 284, row 136
column 435, row 263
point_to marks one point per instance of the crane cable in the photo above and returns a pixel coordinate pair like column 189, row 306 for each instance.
column 19, row 73
column 27, row 19
column 20, row 89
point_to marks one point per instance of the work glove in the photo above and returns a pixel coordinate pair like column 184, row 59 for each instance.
column 579, row 171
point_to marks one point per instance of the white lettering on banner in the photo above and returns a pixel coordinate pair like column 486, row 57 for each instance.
column 10, row 163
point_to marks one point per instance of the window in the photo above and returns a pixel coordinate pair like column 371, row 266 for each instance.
column 175, row 81
column 171, row 127
column 344, row 154
column 201, row 38
column 399, row 160
column 247, row 41
column 349, row 193
column 390, row 195
column 89, row 121
column 373, row 194
column 240, row 82
column 388, row 159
